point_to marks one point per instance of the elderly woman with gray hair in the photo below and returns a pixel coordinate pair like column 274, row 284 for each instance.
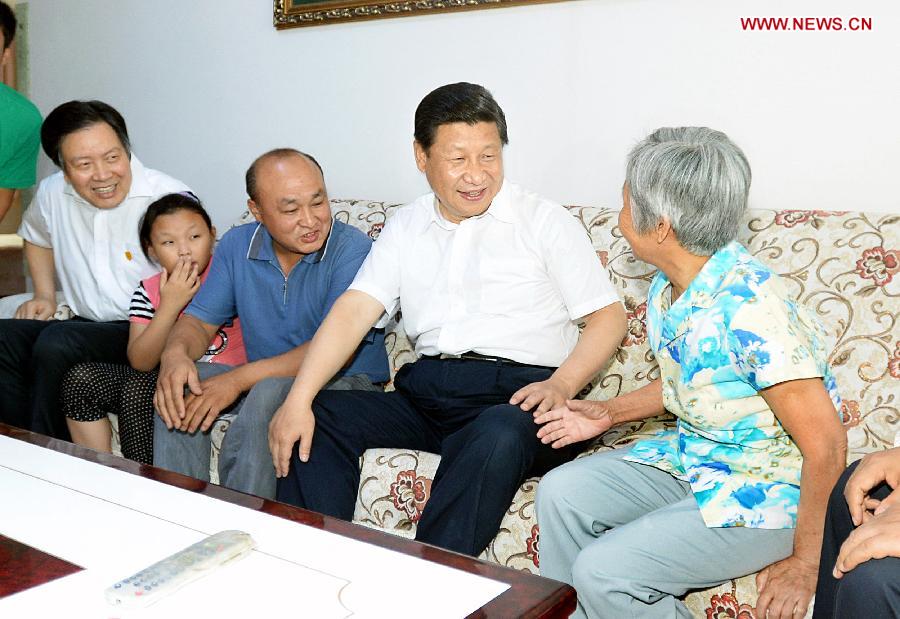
column 742, row 482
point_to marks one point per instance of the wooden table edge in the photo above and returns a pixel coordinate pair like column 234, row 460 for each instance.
column 528, row 596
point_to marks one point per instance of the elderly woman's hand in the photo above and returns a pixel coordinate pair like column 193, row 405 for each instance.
column 578, row 420
column 786, row 588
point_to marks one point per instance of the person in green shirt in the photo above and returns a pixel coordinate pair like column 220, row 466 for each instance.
column 20, row 125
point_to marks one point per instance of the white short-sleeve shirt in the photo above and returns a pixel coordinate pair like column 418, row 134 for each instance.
column 511, row 282
column 96, row 252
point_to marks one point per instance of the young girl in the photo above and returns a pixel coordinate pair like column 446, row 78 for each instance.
column 176, row 233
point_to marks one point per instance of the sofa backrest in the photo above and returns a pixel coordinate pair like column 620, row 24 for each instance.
column 845, row 266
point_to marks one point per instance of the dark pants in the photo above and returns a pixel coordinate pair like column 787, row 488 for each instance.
column 34, row 358
column 456, row 408
column 872, row 589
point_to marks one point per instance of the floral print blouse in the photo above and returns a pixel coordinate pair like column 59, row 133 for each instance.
column 733, row 332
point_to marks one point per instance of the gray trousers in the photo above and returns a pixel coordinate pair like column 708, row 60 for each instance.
column 631, row 540
column 245, row 462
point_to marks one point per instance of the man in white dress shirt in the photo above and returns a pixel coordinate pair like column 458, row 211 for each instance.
column 82, row 228
column 492, row 281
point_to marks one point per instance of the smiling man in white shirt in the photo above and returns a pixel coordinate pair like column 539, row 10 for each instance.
column 82, row 228
column 493, row 282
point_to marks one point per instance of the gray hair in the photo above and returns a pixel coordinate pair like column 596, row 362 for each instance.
column 696, row 178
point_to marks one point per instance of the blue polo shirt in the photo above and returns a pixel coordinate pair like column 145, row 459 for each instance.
column 278, row 312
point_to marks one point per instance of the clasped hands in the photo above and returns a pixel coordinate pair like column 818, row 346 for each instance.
column 877, row 533
column 564, row 421
column 205, row 399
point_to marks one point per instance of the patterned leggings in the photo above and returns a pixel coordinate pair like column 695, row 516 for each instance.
column 91, row 391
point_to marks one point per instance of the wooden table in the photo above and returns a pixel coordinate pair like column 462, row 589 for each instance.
column 22, row 567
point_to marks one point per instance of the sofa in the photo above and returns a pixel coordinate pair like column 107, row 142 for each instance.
column 844, row 265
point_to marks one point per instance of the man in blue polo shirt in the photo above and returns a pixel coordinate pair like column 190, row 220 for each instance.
column 281, row 277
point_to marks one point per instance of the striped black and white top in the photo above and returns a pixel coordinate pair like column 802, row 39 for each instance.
column 141, row 306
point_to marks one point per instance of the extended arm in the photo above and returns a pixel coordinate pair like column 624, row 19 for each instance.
column 351, row 317
column 603, row 332
column 580, row 420
column 40, row 267
column 807, row 413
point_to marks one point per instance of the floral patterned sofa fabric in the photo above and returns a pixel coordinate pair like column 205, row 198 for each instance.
column 845, row 266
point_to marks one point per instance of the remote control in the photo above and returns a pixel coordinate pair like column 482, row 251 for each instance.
column 162, row 578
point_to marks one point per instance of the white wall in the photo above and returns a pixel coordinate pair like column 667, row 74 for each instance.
column 207, row 85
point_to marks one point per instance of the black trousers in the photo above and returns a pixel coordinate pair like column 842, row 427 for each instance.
column 871, row 589
column 456, row 408
column 34, row 358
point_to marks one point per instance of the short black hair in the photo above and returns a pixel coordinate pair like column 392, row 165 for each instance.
column 74, row 116
column 457, row 103
column 8, row 24
column 275, row 153
column 166, row 205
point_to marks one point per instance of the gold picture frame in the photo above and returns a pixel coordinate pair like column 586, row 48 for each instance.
column 300, row 13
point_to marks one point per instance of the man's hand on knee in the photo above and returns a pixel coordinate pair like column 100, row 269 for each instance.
column 218, row 393
column 542, row 396
column 175, row 371
column 36, row 309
